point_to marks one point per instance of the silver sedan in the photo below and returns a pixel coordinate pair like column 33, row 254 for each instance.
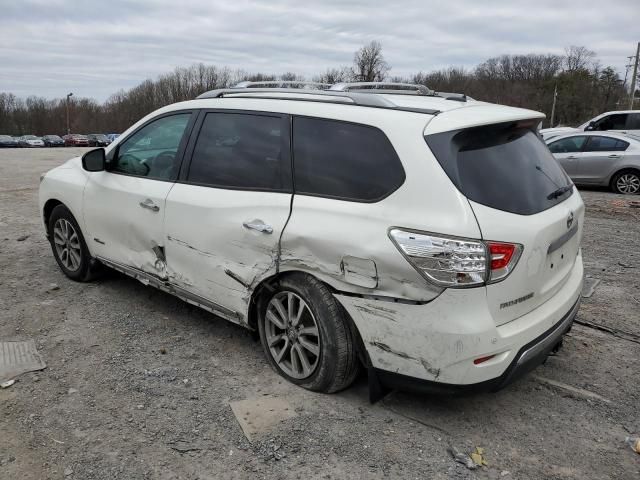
column 600, row 158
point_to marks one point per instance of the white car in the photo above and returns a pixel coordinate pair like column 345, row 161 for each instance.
column 30, row 141
column 434, row 241
column 623, row 121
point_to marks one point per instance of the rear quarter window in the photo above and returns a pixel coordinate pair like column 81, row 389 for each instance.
column 344, row 160
column 503, row 166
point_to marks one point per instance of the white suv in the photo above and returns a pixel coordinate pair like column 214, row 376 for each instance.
column 432, row 239
column 622, row 121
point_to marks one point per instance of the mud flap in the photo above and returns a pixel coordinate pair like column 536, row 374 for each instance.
column 376, row 390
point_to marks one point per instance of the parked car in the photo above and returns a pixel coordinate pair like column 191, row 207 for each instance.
column 607, row 159
column 53, row 141
column 7, row 141
column 75, row 140
column 98, row 140
column 623, row 121
column 30, row 141
column 112, row 136
column 435, row 240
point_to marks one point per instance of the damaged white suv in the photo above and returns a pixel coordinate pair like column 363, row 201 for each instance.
column 431, row 238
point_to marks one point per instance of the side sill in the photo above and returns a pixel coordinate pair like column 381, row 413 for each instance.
column 185, row 295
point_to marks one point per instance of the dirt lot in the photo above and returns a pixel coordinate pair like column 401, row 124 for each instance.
column 138, row 383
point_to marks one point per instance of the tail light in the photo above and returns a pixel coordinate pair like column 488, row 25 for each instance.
column 504, row 257
column 454, row 261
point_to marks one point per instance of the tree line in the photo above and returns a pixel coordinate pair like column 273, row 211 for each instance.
column 584, row 89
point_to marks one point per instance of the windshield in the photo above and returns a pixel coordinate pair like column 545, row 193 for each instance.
column 52, row 137
column 30, row 137
column 5, row 137
column 504, row 166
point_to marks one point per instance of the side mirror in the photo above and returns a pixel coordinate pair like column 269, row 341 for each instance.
column 94, row 160
column 590, row 127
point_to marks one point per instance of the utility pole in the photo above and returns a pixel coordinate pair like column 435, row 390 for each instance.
column 553, row 108
column 626, row 70
column 633, row 78
column 68, row 97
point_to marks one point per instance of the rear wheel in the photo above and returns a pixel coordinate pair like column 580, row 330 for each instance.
column 306, row 335
column 626, row 182
column 68, row 245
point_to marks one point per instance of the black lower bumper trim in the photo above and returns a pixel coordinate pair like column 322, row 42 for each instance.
column 528, row 357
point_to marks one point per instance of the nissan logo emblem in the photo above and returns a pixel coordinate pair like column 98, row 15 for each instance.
column 570, row 220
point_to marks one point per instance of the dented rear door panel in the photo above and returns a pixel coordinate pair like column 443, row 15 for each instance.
column 209, row 250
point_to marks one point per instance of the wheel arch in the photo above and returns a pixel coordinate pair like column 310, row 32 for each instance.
column 622, row 170
column 268, row 285
column 46, row 211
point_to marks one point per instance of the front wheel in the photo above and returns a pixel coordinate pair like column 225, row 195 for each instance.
column 68, row 245
column 306, row 335
column 626, row 182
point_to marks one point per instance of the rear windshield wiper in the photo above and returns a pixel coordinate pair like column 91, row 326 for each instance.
column 559, row 192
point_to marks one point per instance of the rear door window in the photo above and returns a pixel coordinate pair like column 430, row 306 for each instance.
column 567, row 145
column 605, row 144
column 242, row 151
column 617, row 121
column 633, row 121
column 344, row 160
column 504, row 166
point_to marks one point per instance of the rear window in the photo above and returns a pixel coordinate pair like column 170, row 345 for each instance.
column 606, row 144
column 346, row 161
column 504, row 166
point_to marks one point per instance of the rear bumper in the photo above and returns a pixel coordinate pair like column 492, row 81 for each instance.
column 437, row 342
column 527, row 358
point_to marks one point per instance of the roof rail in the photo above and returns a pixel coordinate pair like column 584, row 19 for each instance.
column 301, row 84
column 371, row 87
column 308, row 95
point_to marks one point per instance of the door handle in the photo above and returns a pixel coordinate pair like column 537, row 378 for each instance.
column 614, row 156
column 259, row 226
column 571, row 157
column 149, row 205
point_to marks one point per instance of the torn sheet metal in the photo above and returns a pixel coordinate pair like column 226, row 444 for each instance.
column 17, row 358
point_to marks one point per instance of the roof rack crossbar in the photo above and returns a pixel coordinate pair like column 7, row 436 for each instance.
column 299, row 84
column 384, row 86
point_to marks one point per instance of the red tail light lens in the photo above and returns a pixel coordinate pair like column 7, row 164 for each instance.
column 501, row 254
column 503, row 258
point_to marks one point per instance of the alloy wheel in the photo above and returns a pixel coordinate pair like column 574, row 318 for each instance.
column 292, row 335
column 67, row 244
column 628, row 183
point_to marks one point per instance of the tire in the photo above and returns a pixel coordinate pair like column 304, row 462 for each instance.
column 626, row 182
column 336, row 364
column 76, row 263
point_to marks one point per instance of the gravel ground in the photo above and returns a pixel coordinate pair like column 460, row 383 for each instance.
column 138, row 383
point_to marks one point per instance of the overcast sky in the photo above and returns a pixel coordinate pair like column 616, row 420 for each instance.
column 95, row 48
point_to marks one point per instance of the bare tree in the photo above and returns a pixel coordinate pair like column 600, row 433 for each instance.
column 334, row 75
column 369, row 64
column 585, row 88
column 578, row 58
